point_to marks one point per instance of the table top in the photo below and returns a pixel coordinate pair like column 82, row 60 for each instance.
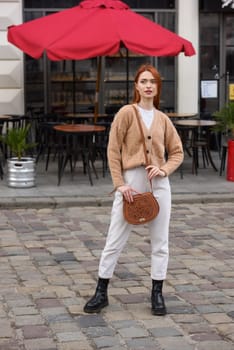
column 12, row 117
column 79, row 128
column 5, row 117
column 180, row 115
column 195, row 122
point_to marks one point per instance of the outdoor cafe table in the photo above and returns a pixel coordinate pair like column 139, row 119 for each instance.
column 75, row 139
column 9, row 119
column 196, row 122
column 5, row 118
column 195, row 125
column 175, row 115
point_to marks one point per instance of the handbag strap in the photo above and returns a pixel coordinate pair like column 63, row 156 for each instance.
column 142, row 135
column 143, row 141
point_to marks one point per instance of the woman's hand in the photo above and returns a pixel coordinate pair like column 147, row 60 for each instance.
column 127, row 191
column 153, row 171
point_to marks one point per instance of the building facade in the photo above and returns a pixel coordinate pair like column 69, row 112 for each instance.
column 11, row 61
column 190, row 84
column 216, row 27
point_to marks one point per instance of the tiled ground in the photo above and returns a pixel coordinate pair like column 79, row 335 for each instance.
column 48, row 268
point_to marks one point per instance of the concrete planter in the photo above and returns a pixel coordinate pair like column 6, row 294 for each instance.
column 21, row 173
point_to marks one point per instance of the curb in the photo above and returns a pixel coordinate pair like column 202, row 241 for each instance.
column 65, row 201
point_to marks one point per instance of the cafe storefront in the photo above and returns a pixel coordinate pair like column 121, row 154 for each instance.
column 216, row 54
column 56, row 86
column 69, row 86
column 198, row 84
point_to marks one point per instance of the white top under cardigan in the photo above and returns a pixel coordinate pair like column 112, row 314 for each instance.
column 147, row 116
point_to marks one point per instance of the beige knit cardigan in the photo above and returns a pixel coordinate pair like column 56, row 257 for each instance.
column 125, row 149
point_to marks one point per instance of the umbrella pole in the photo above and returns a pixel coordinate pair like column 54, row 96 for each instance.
column 127, row 76
column 96, row 107
column 74, row 85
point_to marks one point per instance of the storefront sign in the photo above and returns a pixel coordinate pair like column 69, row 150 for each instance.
column 231, row 92
column 217, row 5
column 209, row 89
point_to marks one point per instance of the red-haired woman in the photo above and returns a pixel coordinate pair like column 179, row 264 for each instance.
column 130, row 175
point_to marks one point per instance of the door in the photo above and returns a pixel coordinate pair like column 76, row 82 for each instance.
column 216, row 60
column 228, row 62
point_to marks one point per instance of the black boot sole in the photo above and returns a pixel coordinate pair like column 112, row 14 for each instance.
column 161, row 312
column 95, row 311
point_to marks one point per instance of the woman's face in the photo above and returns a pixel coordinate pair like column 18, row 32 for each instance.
column 146, row 85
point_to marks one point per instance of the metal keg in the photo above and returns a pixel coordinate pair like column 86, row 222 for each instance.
column 21, row 173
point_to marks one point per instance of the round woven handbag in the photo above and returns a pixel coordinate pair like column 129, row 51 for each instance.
column 143, row 209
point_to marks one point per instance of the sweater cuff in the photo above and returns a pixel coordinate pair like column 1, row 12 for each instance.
column 118, row 184
column 164, row 171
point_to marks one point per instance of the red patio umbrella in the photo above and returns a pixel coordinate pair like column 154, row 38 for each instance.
column 95, row 28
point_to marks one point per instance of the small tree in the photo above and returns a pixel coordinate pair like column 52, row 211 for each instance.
column 17, row 141
column 225, row 119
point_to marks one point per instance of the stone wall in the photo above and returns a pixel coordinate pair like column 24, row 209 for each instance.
column 11, row 61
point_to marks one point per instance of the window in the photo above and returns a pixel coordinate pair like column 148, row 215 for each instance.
column 209, row 56
column 71, row 87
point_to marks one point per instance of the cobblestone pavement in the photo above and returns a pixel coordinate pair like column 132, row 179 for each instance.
column 49, row 259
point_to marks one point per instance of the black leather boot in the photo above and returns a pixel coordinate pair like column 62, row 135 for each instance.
column 100, row 298
column 157, row 300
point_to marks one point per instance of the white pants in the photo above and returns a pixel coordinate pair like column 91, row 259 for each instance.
column 119, row 229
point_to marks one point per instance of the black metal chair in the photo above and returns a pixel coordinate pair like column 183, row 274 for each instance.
column 1, row 167
column 75, row 146
column 186, row 139
column 201, row 143
column 48, row 141
column 224, row 148
column 101, row 142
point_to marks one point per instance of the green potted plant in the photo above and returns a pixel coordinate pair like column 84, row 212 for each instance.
column 225, row 124
column 21, row 167
column 225, row 120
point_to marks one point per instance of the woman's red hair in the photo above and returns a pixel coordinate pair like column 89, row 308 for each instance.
column 157, row 77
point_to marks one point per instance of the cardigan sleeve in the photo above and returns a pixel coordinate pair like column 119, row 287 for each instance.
column 174, row 148
column 114, row 150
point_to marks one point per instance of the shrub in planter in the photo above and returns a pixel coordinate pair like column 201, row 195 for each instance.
column 21, row 168
column 225, row 120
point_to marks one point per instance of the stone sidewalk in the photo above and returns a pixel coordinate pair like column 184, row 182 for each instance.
column 49, row 259
column 75, row 190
